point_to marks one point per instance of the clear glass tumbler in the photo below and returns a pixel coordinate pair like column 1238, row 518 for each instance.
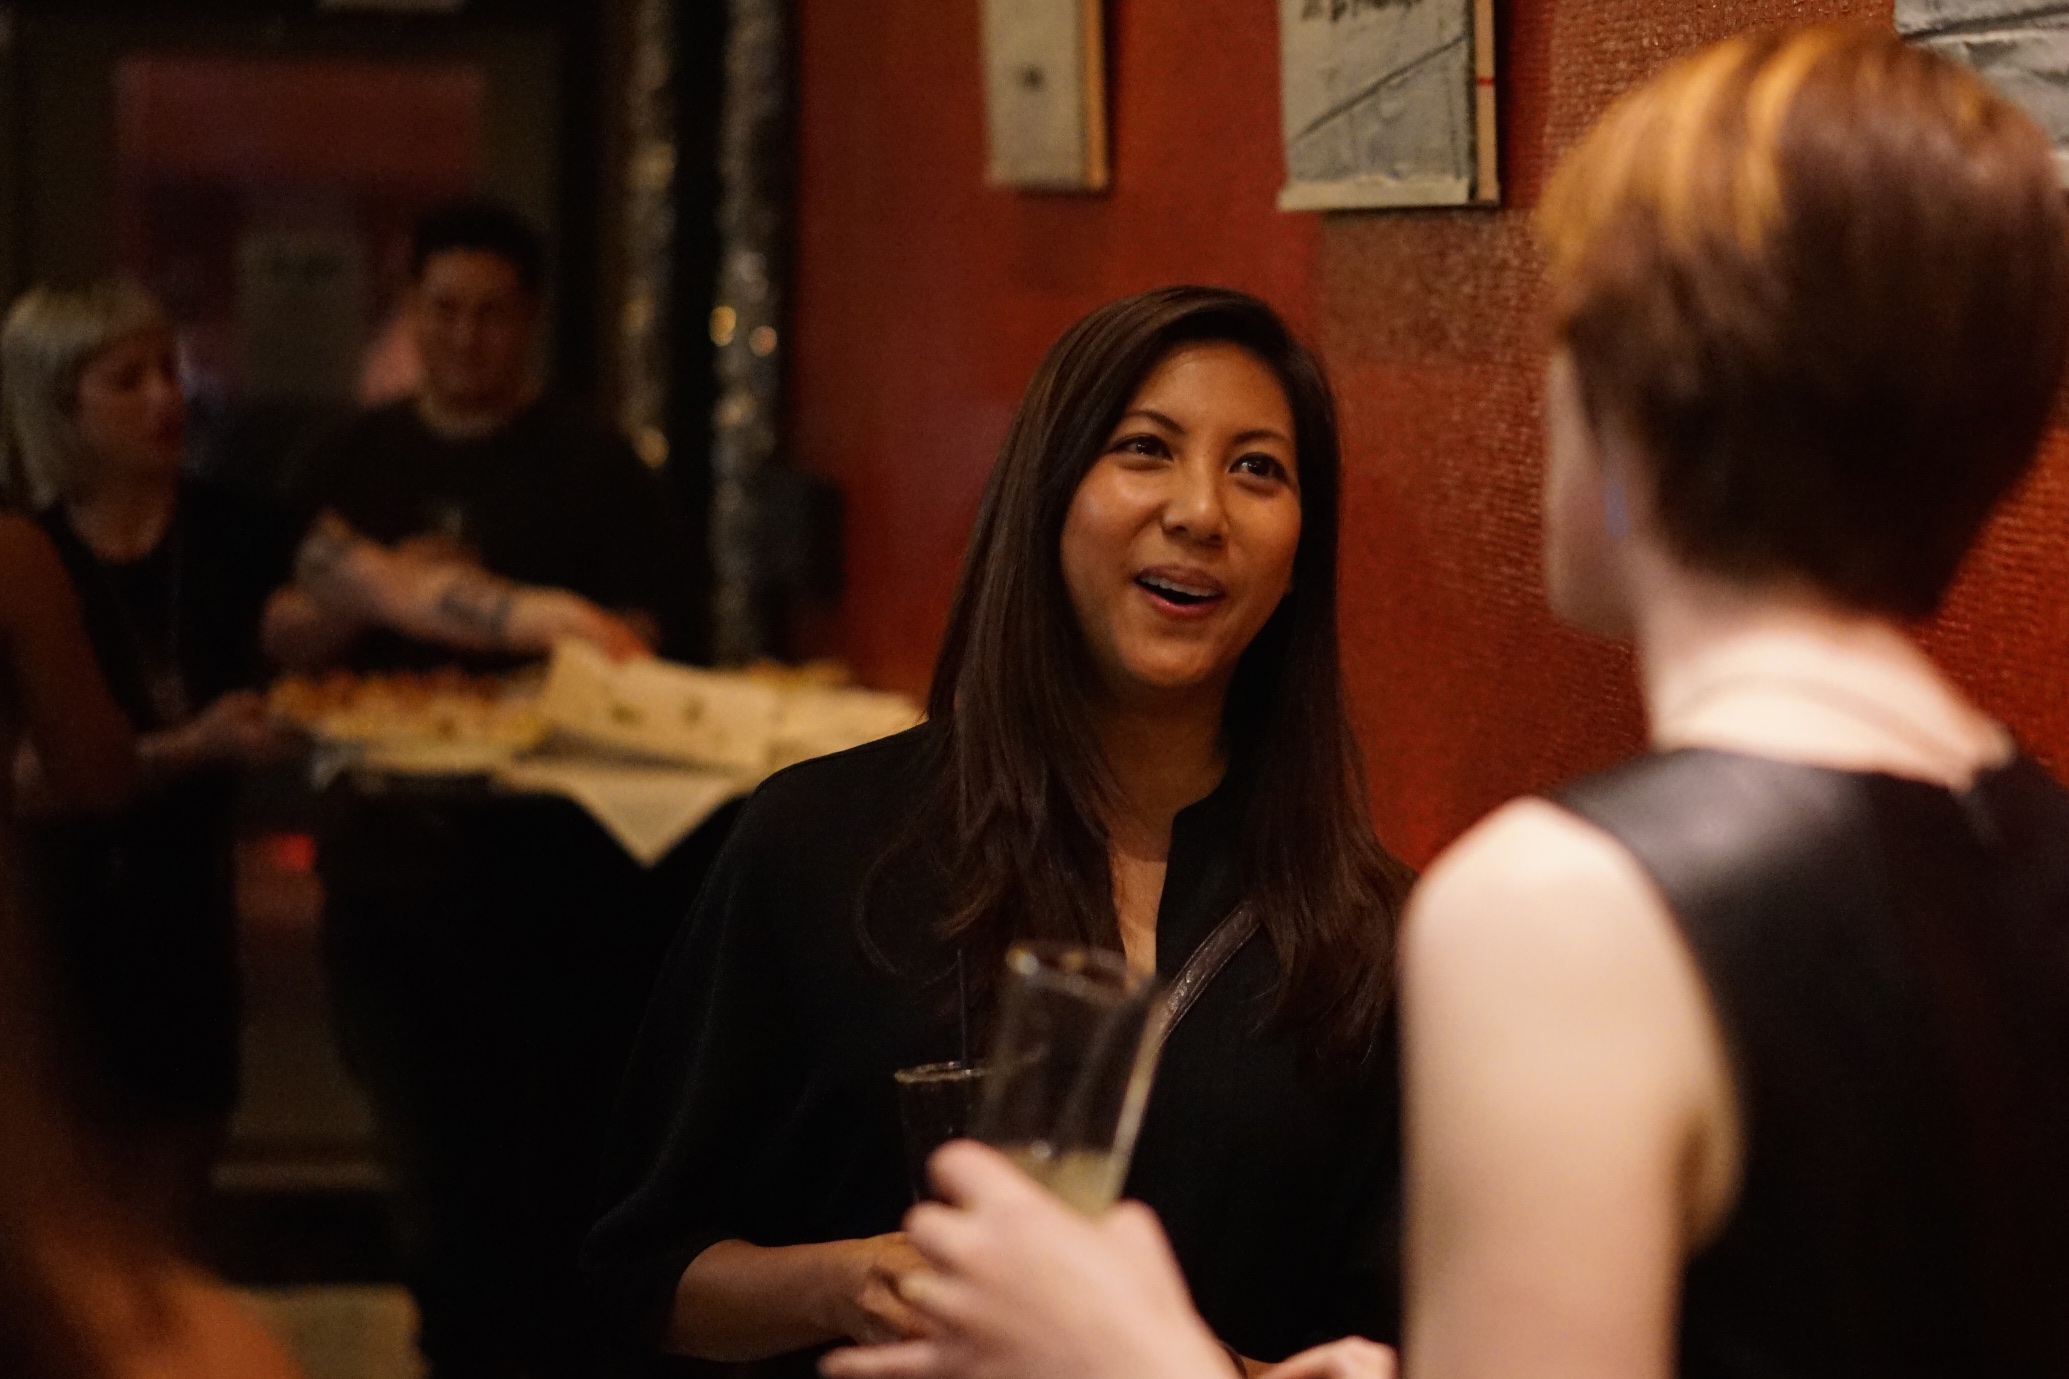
column 1070, row 1068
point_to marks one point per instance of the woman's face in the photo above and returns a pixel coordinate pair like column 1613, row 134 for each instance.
column 1179, row 541
column 1581, row 507
column 131, row 417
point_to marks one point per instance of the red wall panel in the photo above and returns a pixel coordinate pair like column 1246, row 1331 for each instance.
column 924, row 301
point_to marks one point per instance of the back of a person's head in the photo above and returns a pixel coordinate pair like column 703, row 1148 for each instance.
column 1823, row 278
column 482, row 227
column 50, row 336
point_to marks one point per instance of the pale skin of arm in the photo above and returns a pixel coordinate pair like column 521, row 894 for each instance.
column 78, row 750
column 1571, row 1125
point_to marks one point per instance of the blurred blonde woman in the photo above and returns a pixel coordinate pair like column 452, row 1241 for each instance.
column 1750, row 1056
column 174, row 578
column 188, row 590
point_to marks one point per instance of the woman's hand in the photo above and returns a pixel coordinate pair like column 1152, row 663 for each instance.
column 870, row 1310
column 1022, row 1287
column 540, row 617
column 234, row 730
column 739, row 1302
column 1353, row 1357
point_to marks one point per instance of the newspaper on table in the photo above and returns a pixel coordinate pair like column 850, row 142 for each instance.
column 652, row 749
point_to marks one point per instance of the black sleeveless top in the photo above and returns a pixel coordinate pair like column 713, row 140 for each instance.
column 1889, row 963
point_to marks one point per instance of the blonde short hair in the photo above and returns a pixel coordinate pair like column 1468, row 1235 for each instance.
column 50, row 336
column 1823, row 276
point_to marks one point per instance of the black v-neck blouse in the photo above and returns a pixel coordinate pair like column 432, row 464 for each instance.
column 760, row 1104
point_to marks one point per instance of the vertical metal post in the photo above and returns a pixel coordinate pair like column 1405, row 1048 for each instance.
column 754, row 171
column 649, row 230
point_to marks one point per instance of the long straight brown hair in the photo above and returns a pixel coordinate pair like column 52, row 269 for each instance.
column 1010, row 813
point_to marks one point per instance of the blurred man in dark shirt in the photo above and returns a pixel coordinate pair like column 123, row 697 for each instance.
column 482, row 462
column 485, row 950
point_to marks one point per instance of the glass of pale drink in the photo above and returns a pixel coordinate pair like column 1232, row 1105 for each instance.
column 937, row 1102
column 1070, row 1068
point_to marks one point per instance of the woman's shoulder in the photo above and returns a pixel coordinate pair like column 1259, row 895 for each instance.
column 862, row 794
column 30, row 566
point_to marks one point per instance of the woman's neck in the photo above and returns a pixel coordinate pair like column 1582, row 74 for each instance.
column 1787, row 673
column 123, row 517
column 1160, row 758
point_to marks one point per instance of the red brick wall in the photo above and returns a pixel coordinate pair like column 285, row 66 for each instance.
column 924, row 301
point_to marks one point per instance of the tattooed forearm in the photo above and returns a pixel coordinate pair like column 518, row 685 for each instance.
column 328, row 545
column 478, row 603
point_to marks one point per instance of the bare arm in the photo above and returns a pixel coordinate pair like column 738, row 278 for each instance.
column 346, row 584
column 1569, row 1124
column 739, row 1302
column 78, row 750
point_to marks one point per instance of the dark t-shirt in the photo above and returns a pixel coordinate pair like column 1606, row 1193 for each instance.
column 760, row 1105
column 140, row 904
column 550, row 499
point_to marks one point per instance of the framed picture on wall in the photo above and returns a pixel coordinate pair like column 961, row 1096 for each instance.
column 1385, row 103
column 2022, row 46
column 1045, row 94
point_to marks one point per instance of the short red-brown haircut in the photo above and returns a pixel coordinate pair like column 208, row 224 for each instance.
column 1823, row 276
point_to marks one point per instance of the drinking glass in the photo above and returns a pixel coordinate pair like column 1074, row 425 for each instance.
column 937, row 1102
column 1070, row 1068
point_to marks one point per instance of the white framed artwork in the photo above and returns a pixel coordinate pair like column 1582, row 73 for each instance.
column 1388, row 103
column 1045, row 94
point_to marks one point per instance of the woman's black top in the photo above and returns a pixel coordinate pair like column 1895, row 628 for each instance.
column 761, row 1106
column 140, row 904
column 1889, row 963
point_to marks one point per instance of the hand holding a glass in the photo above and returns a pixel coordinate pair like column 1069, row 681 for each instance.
column 1021, row 1286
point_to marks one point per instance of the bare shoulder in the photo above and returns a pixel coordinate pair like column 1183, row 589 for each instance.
column 29, row 568
column 1538, row 953
column 1530, row 880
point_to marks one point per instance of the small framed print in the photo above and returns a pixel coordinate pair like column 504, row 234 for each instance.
column 1045, row 94
column 1387, row 103
column 2022, row 46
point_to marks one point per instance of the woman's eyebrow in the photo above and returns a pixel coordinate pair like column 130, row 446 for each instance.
column 1151, row 414
column 1262, row 433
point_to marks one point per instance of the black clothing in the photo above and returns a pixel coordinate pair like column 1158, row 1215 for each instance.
column 760, row 1105
column 1889, row 963
column 550, row 499
column 489, row 964
column 485, row 952
column 141, row 904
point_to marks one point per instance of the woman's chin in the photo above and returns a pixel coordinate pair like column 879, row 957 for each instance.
column 1165, row 681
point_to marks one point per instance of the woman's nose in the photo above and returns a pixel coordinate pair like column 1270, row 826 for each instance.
column 1195, row 504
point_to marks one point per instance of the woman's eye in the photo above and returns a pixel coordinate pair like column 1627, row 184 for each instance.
column 1139, row 445
column 1261, row 465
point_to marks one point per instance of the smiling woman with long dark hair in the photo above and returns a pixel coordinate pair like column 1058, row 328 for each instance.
column 1137, row 729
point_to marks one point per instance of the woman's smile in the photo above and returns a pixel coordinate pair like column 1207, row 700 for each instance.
column 1182, row 592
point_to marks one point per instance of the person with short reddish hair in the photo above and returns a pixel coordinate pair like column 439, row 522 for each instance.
column 1749, row 1056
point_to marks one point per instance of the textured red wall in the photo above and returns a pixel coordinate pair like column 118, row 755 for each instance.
column 924, row 301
